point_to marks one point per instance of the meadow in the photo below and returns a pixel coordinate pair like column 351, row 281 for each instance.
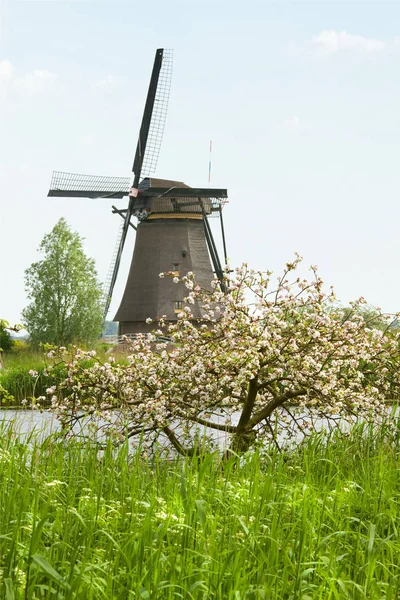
column 16, row 383
column 319, row 522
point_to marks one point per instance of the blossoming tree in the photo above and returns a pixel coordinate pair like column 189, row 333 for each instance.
column 264, row 357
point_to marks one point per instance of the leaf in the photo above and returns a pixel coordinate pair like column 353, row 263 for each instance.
column 183, row 485
column 41, row 562
column 307, row 572
column 243, row 526
column 201, row 512
column 372, row 530
column 37, row 533
column 341, row 557
column 9, row 589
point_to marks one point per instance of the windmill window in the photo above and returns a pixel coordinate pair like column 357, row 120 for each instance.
column 178, row 305
column 175, row 268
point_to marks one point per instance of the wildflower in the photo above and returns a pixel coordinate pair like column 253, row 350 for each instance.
column 54, row 483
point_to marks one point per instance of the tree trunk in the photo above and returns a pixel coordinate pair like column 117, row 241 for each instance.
column 243, row 440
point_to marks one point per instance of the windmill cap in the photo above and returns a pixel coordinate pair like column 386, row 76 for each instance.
column 152, row 182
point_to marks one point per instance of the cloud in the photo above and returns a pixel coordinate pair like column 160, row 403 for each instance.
column 35, row 80
column 293, row 123
column 330, row 41
column 87, row 140
column 6, row 70
column 109, row 81
column 31, row 81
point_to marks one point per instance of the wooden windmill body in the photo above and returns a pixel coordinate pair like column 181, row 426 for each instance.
column 172, row 234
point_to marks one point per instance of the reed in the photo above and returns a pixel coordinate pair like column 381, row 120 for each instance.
column 320, row 522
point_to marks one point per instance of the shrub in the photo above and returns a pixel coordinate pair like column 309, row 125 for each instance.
column 20, row 347
column 17, row 383
column 6, row 341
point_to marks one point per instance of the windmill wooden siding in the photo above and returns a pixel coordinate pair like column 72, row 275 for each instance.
column 161, row 243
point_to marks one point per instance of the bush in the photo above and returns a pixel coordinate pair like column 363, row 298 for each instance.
column 17, row 384
column 6, row 341
column 21, row 347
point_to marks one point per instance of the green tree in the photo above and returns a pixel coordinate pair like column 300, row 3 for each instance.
column 65, row 294
column 6, row 341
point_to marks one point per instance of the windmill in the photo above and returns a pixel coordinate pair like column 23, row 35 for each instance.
column 173, row 232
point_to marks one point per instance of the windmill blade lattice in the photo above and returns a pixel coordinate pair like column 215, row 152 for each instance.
column 159, row 116
column 108, row 287
column 77, row 185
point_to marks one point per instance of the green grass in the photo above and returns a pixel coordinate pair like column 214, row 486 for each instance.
column 16, row 381
column 320, row 523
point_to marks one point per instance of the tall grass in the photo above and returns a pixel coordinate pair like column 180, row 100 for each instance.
column 320, row 523
column 21, row 385
column 17, row 382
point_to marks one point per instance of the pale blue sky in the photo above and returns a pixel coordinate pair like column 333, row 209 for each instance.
column 301, row 100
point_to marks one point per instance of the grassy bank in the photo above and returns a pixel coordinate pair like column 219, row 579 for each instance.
column 322, row 523
column 16, row 383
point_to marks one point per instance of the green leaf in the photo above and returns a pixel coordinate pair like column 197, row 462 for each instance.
column 201, row 512
column 9, row 589
column 243, row 526
column 41, row 562
column 307, row 572
column 183, row 486
column 372, row 530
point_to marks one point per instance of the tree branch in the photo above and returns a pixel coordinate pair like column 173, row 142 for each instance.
column 275, row 403
column 211, row 425
column 176, row 443
column 248, row 405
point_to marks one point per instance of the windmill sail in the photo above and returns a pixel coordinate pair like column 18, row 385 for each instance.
column 154, row 116
column 77, row 185
column 152, row 123
column 159, row 116
column 107, row 284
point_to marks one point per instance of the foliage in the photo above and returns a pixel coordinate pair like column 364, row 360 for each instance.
column 6, row 341
column 6, row 325
column 372, row 316
column 6, row 397
column 22, row 385
column 322, row 522
column 21, row 347
column 18, row 384
column 258, row 350
column 66, row 297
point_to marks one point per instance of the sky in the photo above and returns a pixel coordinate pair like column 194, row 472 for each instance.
column 301, row 100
